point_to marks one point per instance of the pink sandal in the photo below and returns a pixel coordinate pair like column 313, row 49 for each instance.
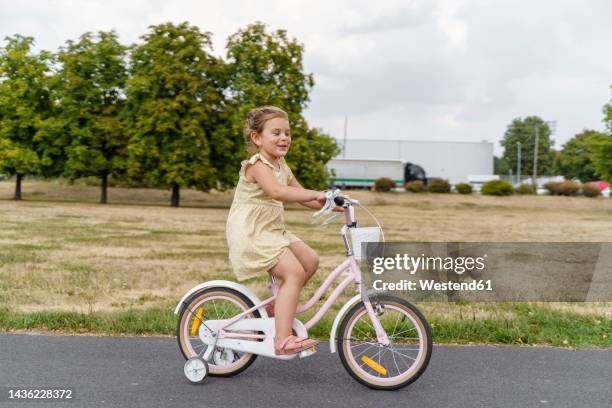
column 301, row 344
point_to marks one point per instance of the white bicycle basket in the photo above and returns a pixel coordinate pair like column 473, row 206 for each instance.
column 366, row 234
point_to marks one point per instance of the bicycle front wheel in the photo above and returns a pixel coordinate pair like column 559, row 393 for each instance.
column 385, row 367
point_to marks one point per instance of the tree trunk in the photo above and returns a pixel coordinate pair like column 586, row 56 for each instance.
column 18, row 187
column 174, row 201
column 104, row 189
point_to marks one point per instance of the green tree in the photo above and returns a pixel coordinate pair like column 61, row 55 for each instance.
column 607, row 110
column 92, row 78
column 523, row 131
column 173, row 98
column 576, row 158
column 266, row 69
column 500, row 166
column 601, row 146
column 25, row 105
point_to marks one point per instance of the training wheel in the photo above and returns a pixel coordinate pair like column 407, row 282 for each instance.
column 195, row 370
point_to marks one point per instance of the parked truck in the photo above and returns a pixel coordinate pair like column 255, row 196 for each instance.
column 362, row 173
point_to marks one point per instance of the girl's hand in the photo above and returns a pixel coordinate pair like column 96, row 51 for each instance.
column 321, row 198
column 340, row 209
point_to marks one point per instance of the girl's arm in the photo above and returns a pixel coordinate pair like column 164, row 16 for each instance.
column 314, row 204
column 262, row 175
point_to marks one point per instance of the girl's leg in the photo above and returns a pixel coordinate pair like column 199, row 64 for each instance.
column 307, row 257
column 309, row 260
column 290, row 270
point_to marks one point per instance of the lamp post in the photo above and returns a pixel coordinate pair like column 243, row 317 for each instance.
column 518, row 163
column 552, row 124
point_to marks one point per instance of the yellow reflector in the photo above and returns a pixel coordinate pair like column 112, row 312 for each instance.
column 374, row 365
column 195, row 325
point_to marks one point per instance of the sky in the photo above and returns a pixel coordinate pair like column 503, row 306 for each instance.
column 439, row 70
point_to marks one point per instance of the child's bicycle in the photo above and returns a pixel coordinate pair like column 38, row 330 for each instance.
column 383, row 341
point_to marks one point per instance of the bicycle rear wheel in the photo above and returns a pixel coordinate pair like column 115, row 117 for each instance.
column 376, row 365
column 213, row 304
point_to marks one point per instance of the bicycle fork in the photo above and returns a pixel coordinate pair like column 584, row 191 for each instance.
column 381, row 335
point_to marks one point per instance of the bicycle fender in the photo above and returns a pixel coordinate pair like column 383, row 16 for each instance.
column 225, row 284
column 332, row 334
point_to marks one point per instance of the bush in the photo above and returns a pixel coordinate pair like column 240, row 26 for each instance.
column 415, row 186
column 498, row 188
column 463, row 188
column 525, row 189
column 438, row 186
column 564, row 188
column 591, row 190
column 384, row 184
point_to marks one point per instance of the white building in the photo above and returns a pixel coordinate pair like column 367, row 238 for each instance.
column 454, row 161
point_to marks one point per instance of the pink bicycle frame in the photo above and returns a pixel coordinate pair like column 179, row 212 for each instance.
column 348, row 268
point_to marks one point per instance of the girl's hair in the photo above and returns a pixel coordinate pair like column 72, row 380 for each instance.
column 255, row 121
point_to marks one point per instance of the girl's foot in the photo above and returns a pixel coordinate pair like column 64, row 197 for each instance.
column 293, row 344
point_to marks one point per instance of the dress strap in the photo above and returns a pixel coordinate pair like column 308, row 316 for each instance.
column 253, row 160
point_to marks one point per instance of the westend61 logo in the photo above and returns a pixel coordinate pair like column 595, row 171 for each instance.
column 412, row 264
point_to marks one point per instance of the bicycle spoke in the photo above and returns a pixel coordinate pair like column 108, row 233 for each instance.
column 395, row 362
column 215, row 306
column 200, row 345
column 396, row 322
column 362, row 342
column 406, row 349
column 364, row 334
column 224, row 310
column 394, row 351
column 370, row 324
column 405, row 338
column 363, row 352
column 403, row 360
column 407, row 330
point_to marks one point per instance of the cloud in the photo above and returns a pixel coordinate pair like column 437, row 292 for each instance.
column 421, row 69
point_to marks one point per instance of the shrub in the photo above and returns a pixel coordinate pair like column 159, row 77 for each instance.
column 591, row 190
column 498, row 188
column 415, row 186
column 384, row 184
column 438, row 186
column 525, row 189
column 463, row 188
column 564, row 188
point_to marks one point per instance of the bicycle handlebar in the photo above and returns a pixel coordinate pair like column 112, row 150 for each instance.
column 335, row 199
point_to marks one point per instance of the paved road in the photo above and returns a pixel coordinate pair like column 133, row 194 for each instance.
column 147, row 372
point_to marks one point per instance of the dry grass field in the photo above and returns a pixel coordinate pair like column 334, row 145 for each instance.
column 60, row 250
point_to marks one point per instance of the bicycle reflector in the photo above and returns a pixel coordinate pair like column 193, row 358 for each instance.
column 195, row 325
column 374, row 365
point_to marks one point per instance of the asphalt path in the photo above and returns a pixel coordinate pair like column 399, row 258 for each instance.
column 148, row 372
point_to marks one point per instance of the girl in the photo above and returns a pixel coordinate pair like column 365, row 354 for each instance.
column 256, row 234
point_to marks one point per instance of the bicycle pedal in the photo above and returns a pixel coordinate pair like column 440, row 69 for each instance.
column 308, row 352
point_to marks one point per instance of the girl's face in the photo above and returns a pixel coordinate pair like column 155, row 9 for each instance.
column 275, row 138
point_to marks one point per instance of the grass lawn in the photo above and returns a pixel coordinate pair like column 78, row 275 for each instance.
column 70, row 264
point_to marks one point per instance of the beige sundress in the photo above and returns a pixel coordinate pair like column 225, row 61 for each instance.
column 255, row 229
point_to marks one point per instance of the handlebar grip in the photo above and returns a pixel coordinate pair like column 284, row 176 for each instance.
column 339, row 201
